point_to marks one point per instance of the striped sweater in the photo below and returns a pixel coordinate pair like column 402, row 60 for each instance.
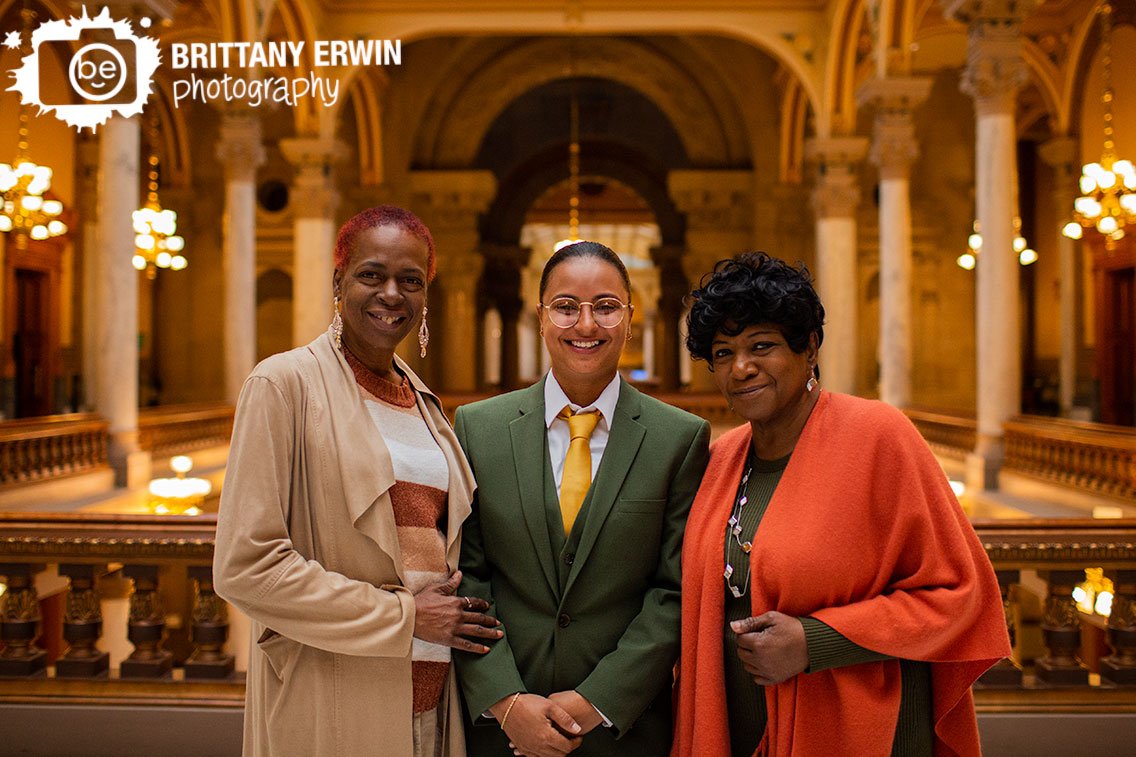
column 419, row 501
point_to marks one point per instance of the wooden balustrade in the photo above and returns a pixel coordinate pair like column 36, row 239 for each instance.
column 948, row 436
column 38, row 449
column 168, row 561
column 1090, row 457
column 176, row 429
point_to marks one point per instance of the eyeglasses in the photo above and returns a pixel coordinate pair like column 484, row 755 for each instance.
column 564, row 312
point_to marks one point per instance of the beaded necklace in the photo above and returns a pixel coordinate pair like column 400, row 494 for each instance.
column 735, row 526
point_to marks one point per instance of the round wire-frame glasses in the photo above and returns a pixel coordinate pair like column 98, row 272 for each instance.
column 564, row 312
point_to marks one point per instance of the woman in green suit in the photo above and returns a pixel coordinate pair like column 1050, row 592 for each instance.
column 583, row 488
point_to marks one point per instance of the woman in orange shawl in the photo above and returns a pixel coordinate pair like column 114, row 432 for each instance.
column 856, row 618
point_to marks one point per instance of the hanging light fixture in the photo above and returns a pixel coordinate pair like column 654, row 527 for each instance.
column 1108, row 188
column 969, row 259
column 156, row 242
column 573, row 161
column 25, row 209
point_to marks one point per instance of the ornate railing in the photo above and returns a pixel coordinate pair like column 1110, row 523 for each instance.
column 1090, row 457
column 54, row 446
column 166, row 562
column 173, row 429
column 949, row 436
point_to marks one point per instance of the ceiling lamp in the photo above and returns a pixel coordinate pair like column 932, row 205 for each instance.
column 156, row 243
column 573, row 162
column 969, row 259
column 1108, row 188
column 25, row 209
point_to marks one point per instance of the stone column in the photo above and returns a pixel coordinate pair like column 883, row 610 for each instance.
column 994, row 73
column 528, row 326
column 894, row 149
column 115, row 289
column 835, row 199
column 719, row 224
column 1062, row 153
column 315, row 200
column 450, row 203
column 240, row 151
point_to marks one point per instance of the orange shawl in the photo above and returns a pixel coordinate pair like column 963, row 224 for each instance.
column 864, row 534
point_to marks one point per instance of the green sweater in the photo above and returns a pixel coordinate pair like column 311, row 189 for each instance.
column 745, row 700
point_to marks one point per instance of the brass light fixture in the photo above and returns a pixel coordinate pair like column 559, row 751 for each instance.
column 969, row 259
column 156, row 242
column 25, row 210
column 573, row 162
column 1108, row 188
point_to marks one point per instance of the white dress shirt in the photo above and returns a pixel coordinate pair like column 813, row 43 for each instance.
column 558, row 436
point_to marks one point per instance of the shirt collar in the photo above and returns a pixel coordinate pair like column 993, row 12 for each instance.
column 555, row 399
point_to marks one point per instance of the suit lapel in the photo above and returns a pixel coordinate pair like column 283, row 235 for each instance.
column 622, row 447
column 528, row 434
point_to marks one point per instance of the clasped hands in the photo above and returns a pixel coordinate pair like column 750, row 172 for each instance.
column 549, row 726
column 772, row 647
column 442, row 618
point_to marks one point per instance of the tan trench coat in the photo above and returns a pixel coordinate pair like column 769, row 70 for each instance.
column 306, row 547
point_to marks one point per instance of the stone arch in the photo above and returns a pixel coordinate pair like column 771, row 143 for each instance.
column 452, row 130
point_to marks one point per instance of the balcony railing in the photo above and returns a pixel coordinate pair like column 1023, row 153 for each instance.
column 1064, row 658
column 1090, row 457
column 175, row 429
column 949, row 436
column 40, row 449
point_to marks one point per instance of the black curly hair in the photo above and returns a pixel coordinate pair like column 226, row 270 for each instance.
column 749, row 289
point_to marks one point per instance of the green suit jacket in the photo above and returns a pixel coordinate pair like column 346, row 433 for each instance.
column 597, row 611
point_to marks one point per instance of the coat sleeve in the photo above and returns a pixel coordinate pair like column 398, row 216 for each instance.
column 628, row 679
column 255, row 566
column 485, row 679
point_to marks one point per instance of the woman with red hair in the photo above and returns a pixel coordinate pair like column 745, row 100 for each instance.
column 340, row 522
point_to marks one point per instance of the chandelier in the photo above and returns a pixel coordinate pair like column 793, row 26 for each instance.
column 969, row 259
column 156, row 242
column 1108, row 188
column 573, row 163
column 23, row 185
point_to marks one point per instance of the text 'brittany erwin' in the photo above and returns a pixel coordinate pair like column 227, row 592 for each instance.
column 323, row 53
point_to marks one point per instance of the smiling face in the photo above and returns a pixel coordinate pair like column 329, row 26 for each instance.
column 585, row 356
column 760, row 375
column 382, row 289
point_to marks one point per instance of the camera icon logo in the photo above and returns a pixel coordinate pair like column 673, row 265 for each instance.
column 108, row 69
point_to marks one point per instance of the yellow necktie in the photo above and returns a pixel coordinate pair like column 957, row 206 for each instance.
column 577, row 477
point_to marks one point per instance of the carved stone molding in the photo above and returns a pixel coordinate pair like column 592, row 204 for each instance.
column 239, row 146
column 313, row 189
column 715, row 199
column 452, row 200
column 894, row 146
column 995, row 68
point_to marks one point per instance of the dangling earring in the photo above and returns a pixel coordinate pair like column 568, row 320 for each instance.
column 811, row 384
column 337, row 324
column 423, row 334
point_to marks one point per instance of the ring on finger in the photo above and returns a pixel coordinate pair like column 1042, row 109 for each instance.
column 468, row 603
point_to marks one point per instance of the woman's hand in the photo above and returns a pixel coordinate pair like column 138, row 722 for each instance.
column 772, row 647
column 537, row 727
column 442, row 618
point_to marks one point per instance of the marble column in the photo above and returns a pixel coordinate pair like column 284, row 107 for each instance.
column 315, row 200
column 86, row 205
column 719, row 224
column 529, row 342
column 1063, row 154
column 450, row 203
column 894, row 149
column 115, row 288
column 240, row 151
column 836, row 197
column 994, row 73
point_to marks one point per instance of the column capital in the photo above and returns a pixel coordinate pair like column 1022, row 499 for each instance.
column 452, row 199
column 238, row 146
column 995, row 67
column 837, row 190
column 313, row 191
column 894, row 146
column 713, row 198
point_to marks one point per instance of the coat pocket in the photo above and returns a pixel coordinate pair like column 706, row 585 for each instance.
column 646, row 506
column 280, row 651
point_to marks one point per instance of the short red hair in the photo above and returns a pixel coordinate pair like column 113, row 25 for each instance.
column 384, row 215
